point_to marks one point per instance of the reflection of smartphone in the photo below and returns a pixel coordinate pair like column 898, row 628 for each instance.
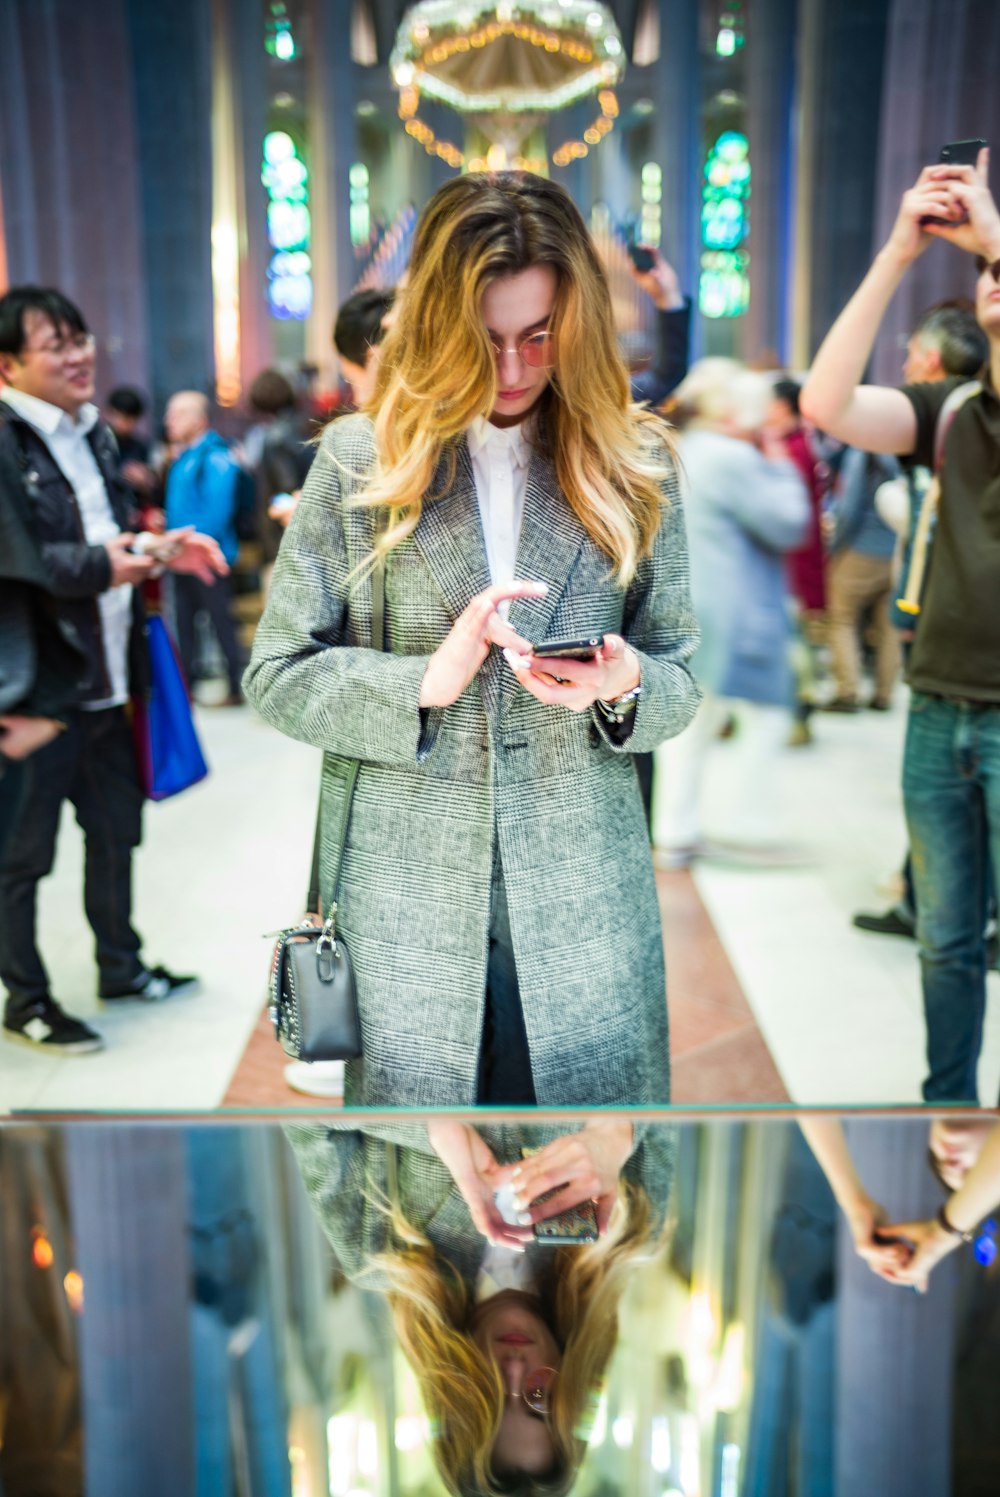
column 569, row 649
column 578, row 1224
column 957, row 153
column 641, row 258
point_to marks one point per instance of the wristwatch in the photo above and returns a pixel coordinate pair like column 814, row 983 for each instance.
column 618, row 708
column 951, row 1229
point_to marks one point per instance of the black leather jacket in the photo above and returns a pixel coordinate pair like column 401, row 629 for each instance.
column 37, row 501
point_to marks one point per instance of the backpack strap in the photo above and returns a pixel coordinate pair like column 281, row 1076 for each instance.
column 910, row 600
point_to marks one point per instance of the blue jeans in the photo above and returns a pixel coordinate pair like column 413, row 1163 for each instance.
column 951, row 791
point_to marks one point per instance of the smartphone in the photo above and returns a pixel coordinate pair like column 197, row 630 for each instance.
column 578, row 1224
column 569, row 649
column 641, row 257
column 957, row 153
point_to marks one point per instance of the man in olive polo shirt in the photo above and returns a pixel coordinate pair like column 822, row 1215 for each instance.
column 951, row 770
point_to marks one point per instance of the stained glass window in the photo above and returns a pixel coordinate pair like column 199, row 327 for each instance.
column 286, row 179
column 724, row 289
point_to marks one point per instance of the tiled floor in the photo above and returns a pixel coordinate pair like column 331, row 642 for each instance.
column 771, row 992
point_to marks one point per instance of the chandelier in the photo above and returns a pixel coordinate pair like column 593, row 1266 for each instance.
column 507, row 67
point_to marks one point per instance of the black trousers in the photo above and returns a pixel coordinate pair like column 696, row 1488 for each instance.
column 192, row 597
column 92, row 765
column 504, row 1060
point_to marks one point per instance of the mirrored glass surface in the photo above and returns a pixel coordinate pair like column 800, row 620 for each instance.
column 357, row 1312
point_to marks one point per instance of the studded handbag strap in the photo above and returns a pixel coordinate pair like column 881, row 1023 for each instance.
column 313, row 902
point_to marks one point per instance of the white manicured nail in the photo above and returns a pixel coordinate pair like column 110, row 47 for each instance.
column 515, row 661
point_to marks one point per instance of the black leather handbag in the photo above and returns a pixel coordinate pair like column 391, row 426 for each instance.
column 313, row 1002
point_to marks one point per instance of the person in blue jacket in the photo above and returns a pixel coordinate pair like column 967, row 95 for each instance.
column 203, row 489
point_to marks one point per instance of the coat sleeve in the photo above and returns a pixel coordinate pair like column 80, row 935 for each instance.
column 75, row 570
column 663, row 631
column 304, row 677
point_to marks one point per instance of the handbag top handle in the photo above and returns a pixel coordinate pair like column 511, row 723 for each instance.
column 313, row 901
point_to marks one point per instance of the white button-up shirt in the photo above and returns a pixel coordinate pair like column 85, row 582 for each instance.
column 500, row 458
column 66, row 439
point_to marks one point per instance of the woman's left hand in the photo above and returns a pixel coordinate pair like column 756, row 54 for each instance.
column 930, row 1243
column 578, row 684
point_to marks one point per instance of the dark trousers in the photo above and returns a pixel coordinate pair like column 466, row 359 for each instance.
column 192, row 597
column 504, row 1059
column 92, row 765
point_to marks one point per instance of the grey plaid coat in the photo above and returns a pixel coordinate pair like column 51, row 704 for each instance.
column 553, row 789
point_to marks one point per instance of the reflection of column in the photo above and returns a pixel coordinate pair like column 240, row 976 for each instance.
column 895, row 1349
column 675, row 86
column 770, row 100
column 333, row 142
column 129, row 1212
column 70, row 169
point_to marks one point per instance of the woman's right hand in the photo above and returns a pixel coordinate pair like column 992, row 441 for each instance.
column 586, row 1165
column 455, row 662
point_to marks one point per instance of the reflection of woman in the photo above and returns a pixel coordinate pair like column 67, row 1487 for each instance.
column 964, row 1154
column 497, row 895
column 509, row 1345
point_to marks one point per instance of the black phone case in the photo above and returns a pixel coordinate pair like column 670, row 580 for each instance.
column 956, row 153
column 569, row 649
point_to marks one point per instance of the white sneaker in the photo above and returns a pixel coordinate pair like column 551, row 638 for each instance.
column 317, row 1078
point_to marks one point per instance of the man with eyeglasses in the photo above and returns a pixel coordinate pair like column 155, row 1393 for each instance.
column 951, row 770
column 59, row 470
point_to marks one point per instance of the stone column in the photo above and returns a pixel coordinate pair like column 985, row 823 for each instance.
column 771, row 98
column 71, row 172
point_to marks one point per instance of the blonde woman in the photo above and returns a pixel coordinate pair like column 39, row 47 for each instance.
column 497, row 893
column 509, row 1347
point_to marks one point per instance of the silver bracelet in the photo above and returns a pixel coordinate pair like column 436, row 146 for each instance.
column 619, row 707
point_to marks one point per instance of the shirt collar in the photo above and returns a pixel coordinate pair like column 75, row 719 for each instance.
column 47, row 418
column 483, row 434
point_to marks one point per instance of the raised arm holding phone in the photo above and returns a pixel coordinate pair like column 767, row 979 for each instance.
column 951, row 783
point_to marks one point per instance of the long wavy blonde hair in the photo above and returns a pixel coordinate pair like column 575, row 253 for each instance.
column 462, row 1388
column 437, row 370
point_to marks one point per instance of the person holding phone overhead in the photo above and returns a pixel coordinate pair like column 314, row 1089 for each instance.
column 496, row 892
column 951, row 768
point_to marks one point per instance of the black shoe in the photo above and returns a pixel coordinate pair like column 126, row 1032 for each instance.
column 879, row 704
column 992, row 951
column 841, row 704
column 892, row 923
column 151, row 986
column 45, row 1027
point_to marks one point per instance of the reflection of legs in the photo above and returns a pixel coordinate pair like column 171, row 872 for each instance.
column 108, row 805
column 990, row 771
column 771, row 1414
column 817, row 1424
column 504, row 1059
column 680, row 765
column 945, row 814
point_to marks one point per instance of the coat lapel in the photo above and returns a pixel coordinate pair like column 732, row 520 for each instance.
column 550, row 542
column 449, row 537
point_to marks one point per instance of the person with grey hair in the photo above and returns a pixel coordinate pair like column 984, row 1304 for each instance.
column 203, row 489
column 746, row 507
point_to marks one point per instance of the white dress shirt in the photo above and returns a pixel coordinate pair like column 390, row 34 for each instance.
column 500, row 458
column 66, row 439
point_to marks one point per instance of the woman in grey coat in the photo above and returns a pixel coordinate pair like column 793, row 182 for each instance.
column 496, row 893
